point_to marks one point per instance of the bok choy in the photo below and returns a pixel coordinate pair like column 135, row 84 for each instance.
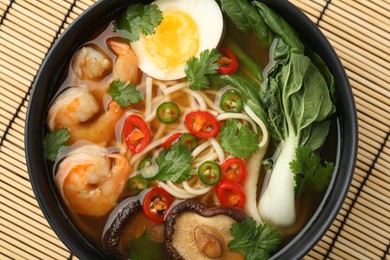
column 298, row 103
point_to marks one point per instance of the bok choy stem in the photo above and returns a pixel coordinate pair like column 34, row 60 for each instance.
column 277, row 204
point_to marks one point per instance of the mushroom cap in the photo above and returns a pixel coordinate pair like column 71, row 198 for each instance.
column 182, row 221
column 111, row 237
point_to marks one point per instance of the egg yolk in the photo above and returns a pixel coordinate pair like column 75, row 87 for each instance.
column 176, row 40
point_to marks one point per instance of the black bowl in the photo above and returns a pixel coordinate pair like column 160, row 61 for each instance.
column 50, row 77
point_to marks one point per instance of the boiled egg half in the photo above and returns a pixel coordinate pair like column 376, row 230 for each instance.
column 187, row 28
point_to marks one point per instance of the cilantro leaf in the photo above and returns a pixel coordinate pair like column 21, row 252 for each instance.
column 124, row 94
column 138, row 19
column 198, row 69
column 254, row 242
column 54, row 141
column 310, row 175
column 175, row 163
column 144, row 248
column 240, row 141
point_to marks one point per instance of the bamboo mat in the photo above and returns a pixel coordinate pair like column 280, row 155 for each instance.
column 359, row 30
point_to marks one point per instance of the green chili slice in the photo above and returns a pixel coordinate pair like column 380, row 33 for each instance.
column 147, row 169
column 231, row 101
column 190, row 140
column 136, row 184
column 168, row 112
column 209, row 173
column 146, row 162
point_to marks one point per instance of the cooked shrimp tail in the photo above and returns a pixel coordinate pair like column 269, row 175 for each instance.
column 126, row 64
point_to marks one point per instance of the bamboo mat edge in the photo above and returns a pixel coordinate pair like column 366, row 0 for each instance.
column 359, row 32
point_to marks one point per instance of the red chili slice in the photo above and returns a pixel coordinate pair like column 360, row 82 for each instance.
column 156, row 203
column 234, row 169
column 202, row 124
column 231, row 194
column 228, row 61
column 170, row 140
column 136, row 133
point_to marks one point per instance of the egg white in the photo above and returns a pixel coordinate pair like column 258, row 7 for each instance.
column 208, row 17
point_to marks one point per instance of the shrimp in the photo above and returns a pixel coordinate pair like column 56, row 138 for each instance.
column 91, row 62
column 71, row 107
column 91, row 180
column 100, row 130
column 126, row 64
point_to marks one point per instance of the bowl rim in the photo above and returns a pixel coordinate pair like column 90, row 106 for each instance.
column 313, row 230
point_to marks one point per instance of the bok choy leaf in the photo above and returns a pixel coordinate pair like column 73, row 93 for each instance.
column 280, row 27
column 247, row 19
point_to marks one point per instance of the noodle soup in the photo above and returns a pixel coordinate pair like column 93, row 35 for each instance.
column 211, row 131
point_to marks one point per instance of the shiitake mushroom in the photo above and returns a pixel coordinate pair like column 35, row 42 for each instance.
column 111, row 234
column 195, row 231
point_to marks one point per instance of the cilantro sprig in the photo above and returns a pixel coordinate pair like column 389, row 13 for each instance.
column 54, row 141
column 124, row 94
column 240, row 141
column 254, row 242
column 310, row 175
column 198, row 70
column 139, row 19
column 175, row 163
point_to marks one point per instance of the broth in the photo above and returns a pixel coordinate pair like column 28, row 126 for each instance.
column 92, row 226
